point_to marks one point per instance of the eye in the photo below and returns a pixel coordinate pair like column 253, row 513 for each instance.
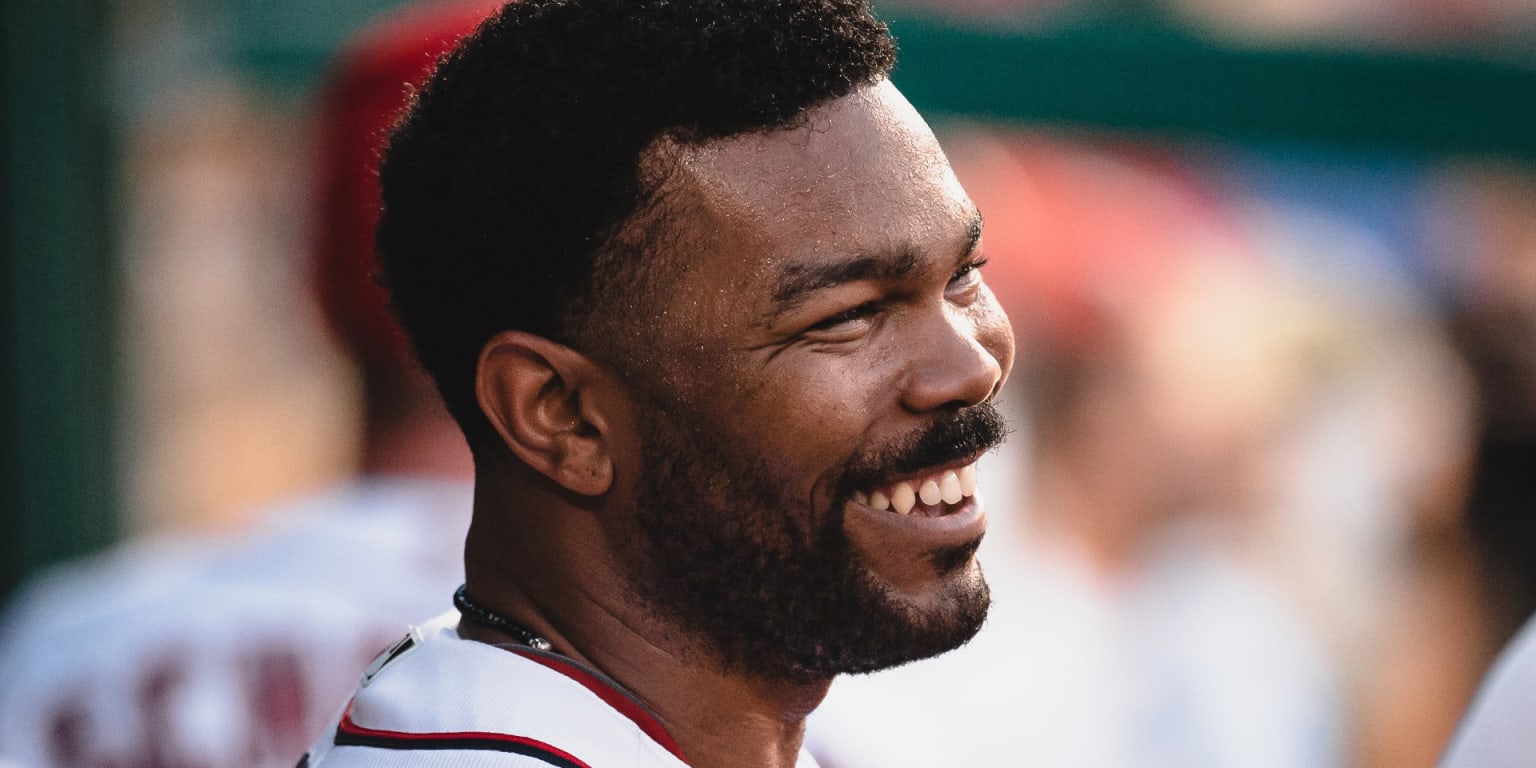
column 968, row 275
column 848, row 321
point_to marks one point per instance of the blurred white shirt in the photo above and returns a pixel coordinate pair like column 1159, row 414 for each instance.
column 224, row 651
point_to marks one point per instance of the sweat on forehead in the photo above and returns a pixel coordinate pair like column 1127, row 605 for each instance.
column 518, row 161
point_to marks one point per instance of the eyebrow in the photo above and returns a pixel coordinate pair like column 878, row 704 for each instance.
column 801, row 280
column 973, row 236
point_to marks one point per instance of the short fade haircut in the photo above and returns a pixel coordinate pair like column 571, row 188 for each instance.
column 511, row 183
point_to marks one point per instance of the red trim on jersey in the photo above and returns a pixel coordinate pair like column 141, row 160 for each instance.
column 606, row 691
column 427, row 740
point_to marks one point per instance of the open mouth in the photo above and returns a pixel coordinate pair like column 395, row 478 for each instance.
column 935, row 495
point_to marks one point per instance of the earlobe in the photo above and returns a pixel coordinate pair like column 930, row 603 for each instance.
column 541, row 397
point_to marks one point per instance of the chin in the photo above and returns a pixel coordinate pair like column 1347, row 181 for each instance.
column 941, row 618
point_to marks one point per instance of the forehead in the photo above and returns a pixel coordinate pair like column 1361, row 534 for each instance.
column 864, row 173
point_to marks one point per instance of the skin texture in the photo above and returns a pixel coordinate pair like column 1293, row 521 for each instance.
column 824, row 316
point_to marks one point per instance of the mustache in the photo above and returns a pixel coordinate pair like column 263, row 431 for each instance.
column 967, row 432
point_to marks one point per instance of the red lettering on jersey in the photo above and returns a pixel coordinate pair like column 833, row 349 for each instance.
column 157, row 697
column 278, row 697
column 67, row 733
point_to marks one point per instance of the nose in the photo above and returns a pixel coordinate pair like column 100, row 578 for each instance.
column 963, row 359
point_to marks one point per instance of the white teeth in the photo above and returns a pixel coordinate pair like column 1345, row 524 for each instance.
column 878, row 500
column 949, row 488
column 929, row 493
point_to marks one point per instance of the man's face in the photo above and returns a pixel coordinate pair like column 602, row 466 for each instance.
column 826, row 351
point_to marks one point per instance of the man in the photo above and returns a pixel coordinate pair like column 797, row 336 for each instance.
column 230, row 652
column 703, row 293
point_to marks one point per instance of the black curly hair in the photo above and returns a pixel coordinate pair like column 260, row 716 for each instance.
column 514, row 184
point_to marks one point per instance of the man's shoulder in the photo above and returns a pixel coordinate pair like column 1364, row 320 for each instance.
column 433, row 694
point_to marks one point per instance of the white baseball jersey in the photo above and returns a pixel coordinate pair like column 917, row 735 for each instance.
column 1496, row 732
column 225, row 652
column 437, row 699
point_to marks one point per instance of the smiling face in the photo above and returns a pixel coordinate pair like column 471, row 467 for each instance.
column 811, row 395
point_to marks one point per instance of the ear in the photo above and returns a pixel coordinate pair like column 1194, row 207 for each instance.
column 547, row 402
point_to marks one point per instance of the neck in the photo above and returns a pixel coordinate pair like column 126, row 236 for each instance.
column 539, row 570
column 720, row 719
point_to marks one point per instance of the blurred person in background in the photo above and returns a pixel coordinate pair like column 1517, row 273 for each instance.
column 187, row 651
column 1226, row 470
column 1126, row 629
column 1488, row 240
column 1485, row 234
column 1372, row 532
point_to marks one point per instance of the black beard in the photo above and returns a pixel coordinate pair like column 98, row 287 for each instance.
column 768, row 585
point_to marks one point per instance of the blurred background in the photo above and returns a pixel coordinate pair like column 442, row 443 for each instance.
column 1272, row 266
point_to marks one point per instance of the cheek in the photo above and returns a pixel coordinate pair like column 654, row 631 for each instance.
column 813, row 404
column 815, row 416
